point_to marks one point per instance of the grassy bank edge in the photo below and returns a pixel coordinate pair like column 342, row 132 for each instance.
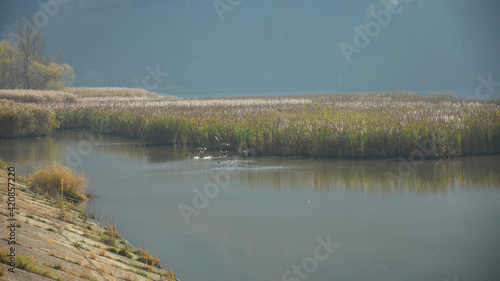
column 101, row 244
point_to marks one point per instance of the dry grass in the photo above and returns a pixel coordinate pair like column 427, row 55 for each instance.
column 128, row 276
column 30, row 210
column 363, row 125
column 168, row 275
column 20, row 120
column 86, row 275
column 105, row 270
column 52, row 178
column 111, row 92
column 366, row 125
column 29, row 264
column 110, row 235
column 146, row 257
column 103, row 252
column 87, row 263
column 87, row 258
column 4, row 255
column 92, row 255
column 36, row 96
column 50, row 242
column 444, row 96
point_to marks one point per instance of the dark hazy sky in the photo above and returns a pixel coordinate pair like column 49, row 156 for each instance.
column 270, row 46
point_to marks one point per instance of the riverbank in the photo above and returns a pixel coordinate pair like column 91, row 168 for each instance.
column 46, row 240
column 360, row 125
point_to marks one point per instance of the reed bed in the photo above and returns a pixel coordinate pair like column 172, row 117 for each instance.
column 37, row 96
column 362, row 125
column 366, row 125
column 111, row 92
column 25, row 119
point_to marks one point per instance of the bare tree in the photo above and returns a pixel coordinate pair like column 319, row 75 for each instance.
column 30, row 42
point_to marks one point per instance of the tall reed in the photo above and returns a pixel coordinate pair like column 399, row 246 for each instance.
column 37, row 96
column 20, row 120
column 361, row 125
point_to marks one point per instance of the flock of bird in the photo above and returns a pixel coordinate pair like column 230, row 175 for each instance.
column 223, row 153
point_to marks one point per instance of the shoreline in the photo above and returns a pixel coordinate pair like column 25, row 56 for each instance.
column 420, row 149
column 62, row 243
column 372, row 125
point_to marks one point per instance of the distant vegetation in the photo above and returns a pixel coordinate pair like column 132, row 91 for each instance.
column 23, row 65
column 363, row 125
column 111, row 92
column 35, row 96
column 444, row 96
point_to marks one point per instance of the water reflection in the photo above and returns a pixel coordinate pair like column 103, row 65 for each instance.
column 322, row 175
column 270, row 214
column 430, row 176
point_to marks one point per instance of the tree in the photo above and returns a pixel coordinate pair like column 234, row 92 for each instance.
column 41, row 75
column 52, row 76
column 30, row 44
column 22, row 64
column 6, row 64
column 68, row 75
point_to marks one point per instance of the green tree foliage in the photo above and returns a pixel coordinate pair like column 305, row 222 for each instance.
column 7, row 68
column 22, row 65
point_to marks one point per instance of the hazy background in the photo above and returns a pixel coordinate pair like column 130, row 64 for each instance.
column 270, row 46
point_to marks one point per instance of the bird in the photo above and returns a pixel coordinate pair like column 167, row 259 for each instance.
column 218, row 139
column 245, row 152
column 223, row 153
column 233, row 159
column 187, row 155
column 202, row 149
column 225, row 144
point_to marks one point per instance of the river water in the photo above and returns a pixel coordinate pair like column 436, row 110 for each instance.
column 288, row 218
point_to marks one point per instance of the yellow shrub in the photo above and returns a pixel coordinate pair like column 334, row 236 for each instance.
column 52, row 177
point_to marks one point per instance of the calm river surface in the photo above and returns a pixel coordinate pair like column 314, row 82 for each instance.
column 288, row 218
